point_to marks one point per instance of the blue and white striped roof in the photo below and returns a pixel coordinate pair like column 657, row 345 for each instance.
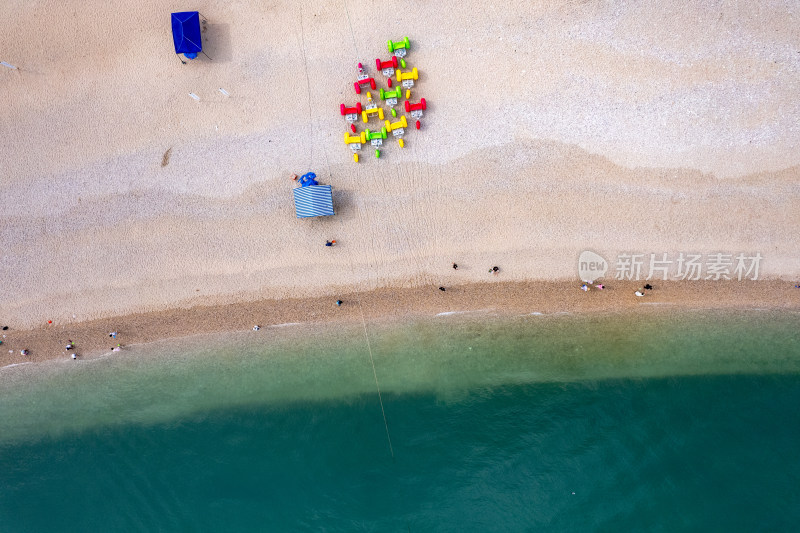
column 313, row 201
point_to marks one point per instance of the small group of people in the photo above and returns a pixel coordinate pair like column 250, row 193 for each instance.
column 493, row 270
column 641, row 292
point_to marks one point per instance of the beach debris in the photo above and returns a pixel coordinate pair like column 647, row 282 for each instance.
column 256, row 327
column 197, row 98
column 165, row 158
column 8, row 65
column 224, row 92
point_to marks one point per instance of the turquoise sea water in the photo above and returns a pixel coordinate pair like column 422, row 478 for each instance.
column 656, row 422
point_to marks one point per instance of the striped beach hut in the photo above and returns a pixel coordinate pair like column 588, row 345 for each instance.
column 313, row 201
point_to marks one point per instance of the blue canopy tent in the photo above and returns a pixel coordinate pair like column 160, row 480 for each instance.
column 312, row 199
column 186, row 33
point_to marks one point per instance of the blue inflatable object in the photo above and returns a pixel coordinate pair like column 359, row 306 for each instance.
column 308, row 179
column 186, row 33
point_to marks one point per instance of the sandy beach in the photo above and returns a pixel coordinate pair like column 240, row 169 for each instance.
column 552, row 128
column 498, row 299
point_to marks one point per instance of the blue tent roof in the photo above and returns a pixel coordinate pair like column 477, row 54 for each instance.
column 186, row 32
column 313, row 201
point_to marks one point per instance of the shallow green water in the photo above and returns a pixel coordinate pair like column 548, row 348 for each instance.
column 656, row 422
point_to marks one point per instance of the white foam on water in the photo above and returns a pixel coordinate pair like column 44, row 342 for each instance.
column 16, row 364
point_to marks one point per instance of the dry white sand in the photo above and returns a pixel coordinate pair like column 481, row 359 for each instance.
column 552, row 128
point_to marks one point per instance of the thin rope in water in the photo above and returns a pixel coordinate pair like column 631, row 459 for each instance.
column 375, row 375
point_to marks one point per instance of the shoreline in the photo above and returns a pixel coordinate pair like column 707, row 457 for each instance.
column 501, row 298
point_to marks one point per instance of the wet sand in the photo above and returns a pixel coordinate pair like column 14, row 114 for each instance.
column 495, row 297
